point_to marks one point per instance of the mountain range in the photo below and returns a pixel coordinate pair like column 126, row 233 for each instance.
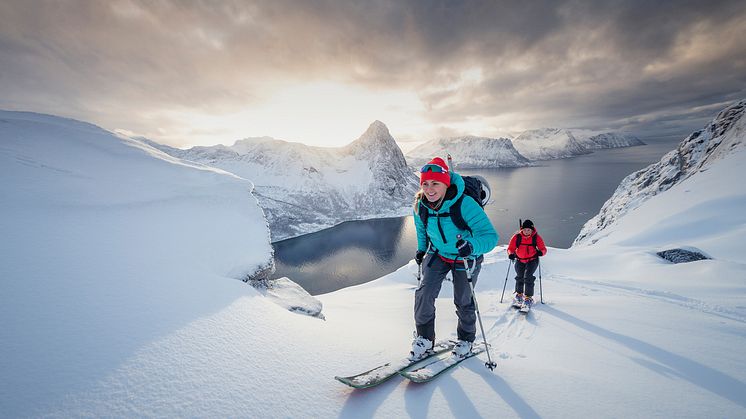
column 472, row 152
column 304, row 188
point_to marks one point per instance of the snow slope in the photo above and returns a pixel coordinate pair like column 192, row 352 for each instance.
column 107, row 246
column 303, row 189
column 470, row 152
column 694, row 154
column 548, row 143
column 634, row 334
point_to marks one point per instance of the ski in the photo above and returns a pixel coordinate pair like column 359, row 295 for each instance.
column 383, row 372
column 433, row 369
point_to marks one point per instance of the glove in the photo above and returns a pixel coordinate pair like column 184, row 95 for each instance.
column 538, row 252
column 464, row 248
column 419, row 256
column 511, row 256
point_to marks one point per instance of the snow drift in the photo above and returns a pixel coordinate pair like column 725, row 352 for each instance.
column 108, row 244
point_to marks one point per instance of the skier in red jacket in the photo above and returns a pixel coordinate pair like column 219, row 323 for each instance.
column 525, row 248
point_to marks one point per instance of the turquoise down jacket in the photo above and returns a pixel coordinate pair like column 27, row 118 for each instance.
column 482, row 237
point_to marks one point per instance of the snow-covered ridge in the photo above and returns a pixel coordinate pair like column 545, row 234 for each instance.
column 593, row 141
column 304, row 189
column 724, row 135
column 548, row 143
column 470, row 152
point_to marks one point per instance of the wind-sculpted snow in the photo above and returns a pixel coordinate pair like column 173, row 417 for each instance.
column 695, row 153
column 108, row 244
column 303, row 189
column 470, row 152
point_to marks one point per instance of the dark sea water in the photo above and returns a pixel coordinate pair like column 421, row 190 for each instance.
column 559, row 196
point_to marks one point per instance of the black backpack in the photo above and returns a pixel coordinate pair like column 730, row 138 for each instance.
column 474, row 186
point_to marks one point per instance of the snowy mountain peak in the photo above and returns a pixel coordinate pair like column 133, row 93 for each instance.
column 470, row 152
column 377, row 129
column 304, row 189
column 548, row 143
column 376, row 137
column 723, row 136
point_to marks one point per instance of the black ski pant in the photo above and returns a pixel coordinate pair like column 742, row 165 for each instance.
column 524, row 280
column 434, row 271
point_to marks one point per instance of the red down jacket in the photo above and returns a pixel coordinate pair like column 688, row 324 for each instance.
column 526, row 251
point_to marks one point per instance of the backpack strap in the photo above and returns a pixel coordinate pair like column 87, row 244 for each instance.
column 458, row 218
column 424, row 214
column 518, row 240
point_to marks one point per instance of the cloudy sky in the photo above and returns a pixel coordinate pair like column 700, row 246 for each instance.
column 205, row 72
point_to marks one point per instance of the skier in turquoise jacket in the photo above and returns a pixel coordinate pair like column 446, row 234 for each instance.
column 441, row 248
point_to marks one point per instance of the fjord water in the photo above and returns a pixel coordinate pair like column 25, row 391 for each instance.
column 559, row 196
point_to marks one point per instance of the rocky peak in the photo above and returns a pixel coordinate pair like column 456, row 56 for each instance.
column 375, row 138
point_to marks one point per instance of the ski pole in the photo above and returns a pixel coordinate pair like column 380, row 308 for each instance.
column 541, row 292
column 489, row 364
column 506, row 281
column 419, row 274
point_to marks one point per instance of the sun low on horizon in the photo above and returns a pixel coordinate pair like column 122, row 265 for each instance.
column 205, row 73
column 323, row 113
column 317, row 113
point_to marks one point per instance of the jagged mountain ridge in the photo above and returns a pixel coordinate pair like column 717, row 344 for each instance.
column 470, row 152
column 304, row 188
column 726, row 133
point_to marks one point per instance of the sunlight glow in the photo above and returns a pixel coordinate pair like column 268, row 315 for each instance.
column 322, row 114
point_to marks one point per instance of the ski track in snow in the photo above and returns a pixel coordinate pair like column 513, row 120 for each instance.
column 509, row 326
column 659, row 296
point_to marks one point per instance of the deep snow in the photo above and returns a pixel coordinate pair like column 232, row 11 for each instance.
column 120, row 298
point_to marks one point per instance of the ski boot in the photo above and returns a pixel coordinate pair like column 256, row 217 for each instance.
column 528, row 302
column 462, row 349
column 517, row 300
column 421, row 348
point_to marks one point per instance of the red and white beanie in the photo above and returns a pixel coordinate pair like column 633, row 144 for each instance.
column 436, row 170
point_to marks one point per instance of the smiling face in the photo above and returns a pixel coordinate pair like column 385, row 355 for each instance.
column 434, row 190
column 527, row 231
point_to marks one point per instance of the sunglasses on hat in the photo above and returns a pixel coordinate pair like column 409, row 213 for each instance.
column 433, row 168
